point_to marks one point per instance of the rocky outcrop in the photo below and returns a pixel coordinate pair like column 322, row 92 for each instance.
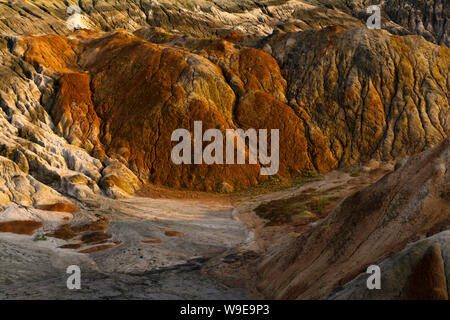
column 18, row 187
column 355, row 113
column 43, row 160
column 418, row 272
column 373, row 224
column 192, row 17
column 117, row 180
column 75, row 116
column 340, row 95
column 395, row 107
column 256, row 79
column 371, row 94
column 428, row 18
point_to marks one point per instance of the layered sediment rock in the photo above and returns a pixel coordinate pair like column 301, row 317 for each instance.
column 371, row 94
column 339, row 95
column 365, row 228
column 91, row 113
column 429, row 18
column 353, row 96
column 418, row 273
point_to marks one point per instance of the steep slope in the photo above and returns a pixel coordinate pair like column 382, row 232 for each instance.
column 428, row 18
column 372, row 94
column 167, row 89
column 376, row 222
column 339, row 96
column 121, row 97
column 202, row 18
column 27, row 137
column 418, row 272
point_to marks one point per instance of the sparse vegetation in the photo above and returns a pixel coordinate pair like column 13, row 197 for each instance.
column 40, row 237
column 304, row 208
column 273, row 184
column 309, row 173
column 356, row 174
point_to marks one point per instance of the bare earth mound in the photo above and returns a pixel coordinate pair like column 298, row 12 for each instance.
column 365, row 228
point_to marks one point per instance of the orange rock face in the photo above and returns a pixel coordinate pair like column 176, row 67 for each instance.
column 138, row 94
column 152, row 241
column 60, row 207
column 171, row 233
column 53, row 52
column 20, row 227
column 75, row 115
column 99, row 248
column 122, row 97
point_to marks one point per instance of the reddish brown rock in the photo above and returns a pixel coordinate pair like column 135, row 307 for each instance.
column 20, row 227
column 56, row 53
column 60, row 207
column 124, row 97
column 171, row 233
column 100, row 248
column 89, row 233
column 64, row 232
column 428, row 280
column 74, row 113
column 152, row 241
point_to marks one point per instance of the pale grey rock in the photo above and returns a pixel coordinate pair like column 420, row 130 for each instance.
column 18, row 187
column 27, row 138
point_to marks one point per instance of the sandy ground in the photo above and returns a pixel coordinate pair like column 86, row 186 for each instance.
column 336, row 184
column 218, row 239
column 134, row 269
column 238, row 265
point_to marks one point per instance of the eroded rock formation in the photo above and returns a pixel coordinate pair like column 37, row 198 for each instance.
column 89, row 114
column 339, row 95
column 365, row 228
column 353, row 96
